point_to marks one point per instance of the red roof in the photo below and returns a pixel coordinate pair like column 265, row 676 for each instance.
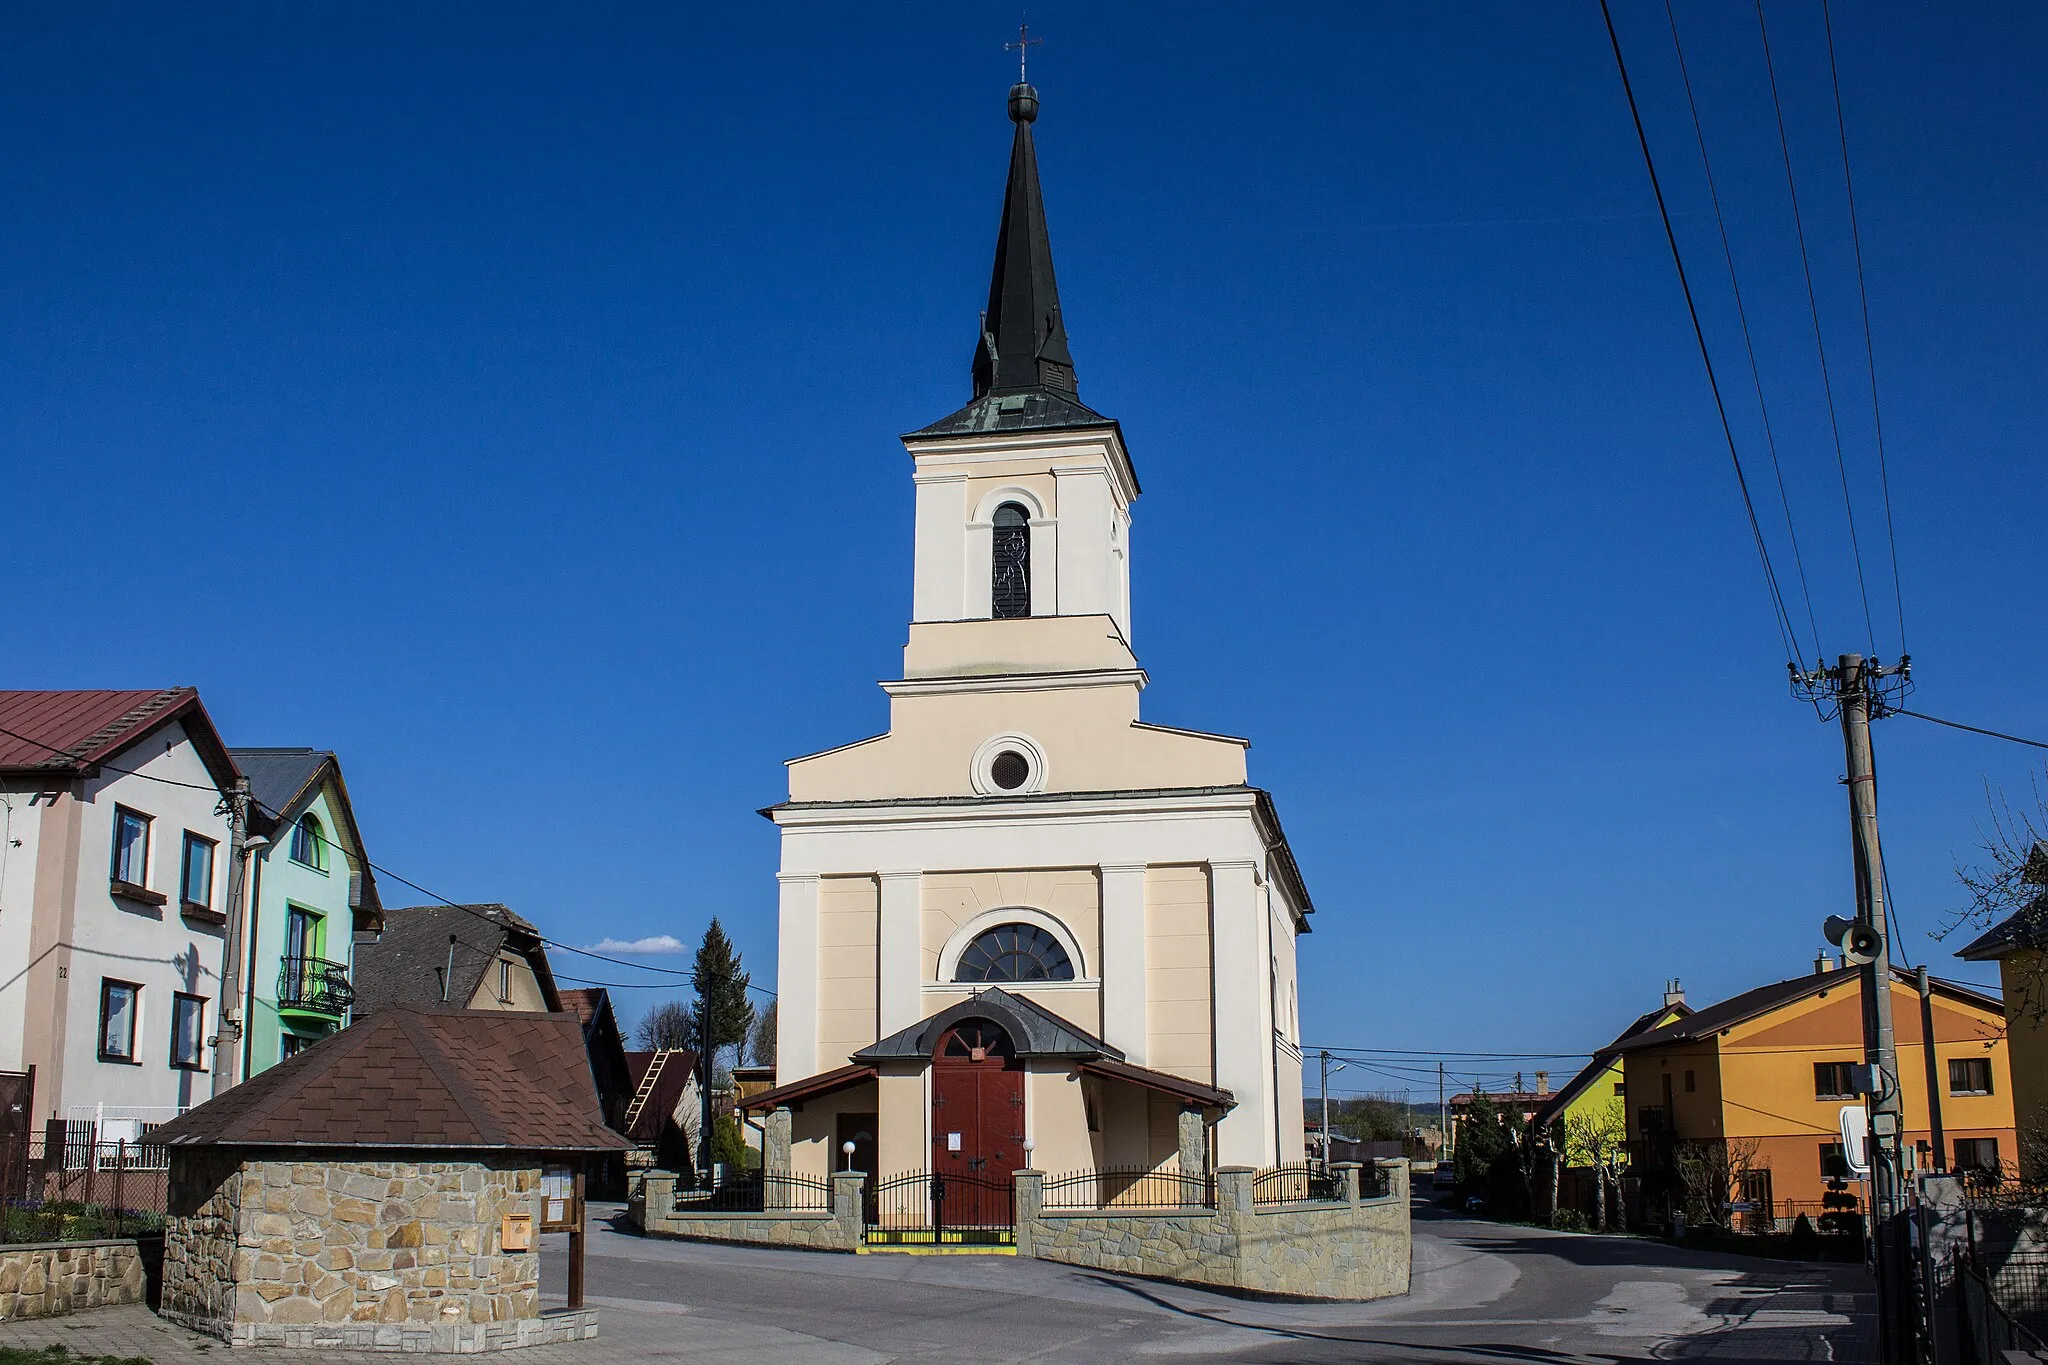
column 410, row 1078
column 70, row 732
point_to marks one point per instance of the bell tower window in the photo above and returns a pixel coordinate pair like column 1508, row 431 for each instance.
column 1010, row 565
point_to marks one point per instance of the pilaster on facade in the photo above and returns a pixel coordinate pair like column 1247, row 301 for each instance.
column 796, row 975
column 1243, row 1028
column 900, row 950
column 1123, row 958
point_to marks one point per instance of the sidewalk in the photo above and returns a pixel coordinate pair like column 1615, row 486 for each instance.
column 1804, row 1319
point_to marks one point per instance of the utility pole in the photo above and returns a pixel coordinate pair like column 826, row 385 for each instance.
column 1853, row 685
column 228, row 1023
column 1324, row 1057
column 1934, row 1132
column 1443, row 1120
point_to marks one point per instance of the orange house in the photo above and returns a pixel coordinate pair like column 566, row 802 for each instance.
column 1761, row 1079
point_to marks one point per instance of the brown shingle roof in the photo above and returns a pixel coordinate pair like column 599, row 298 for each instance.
column 410, row 1078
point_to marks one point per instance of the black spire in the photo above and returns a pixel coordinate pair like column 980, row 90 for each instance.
column 1023, row 343
column 1023, row 372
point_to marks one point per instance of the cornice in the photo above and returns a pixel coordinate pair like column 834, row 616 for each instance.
column 1016, row 682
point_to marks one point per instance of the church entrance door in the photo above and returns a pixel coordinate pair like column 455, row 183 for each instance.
column 977, row 1125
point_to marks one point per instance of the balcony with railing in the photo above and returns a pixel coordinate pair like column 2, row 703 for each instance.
column 314, row 987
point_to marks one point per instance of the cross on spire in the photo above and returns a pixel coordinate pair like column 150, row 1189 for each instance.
column 1022, row 47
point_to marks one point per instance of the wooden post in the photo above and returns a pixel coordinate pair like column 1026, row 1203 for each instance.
column 577, row 1234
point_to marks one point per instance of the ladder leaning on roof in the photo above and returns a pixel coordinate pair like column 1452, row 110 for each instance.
column 647, row 1084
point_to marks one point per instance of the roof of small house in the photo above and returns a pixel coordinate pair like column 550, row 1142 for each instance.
column 1751, row 1004
column 411, row 1078
column 405, row 963
column 661, row 1102
column 1034, row 1030
column 73, row 731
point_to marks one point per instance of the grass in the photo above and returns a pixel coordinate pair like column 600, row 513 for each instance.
column 63, row 1220
column 58, row 1355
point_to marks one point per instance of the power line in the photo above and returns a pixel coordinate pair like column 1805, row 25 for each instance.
column 1742, row 316
column 1958, row 725
column 1786, row 635
column 380, row 871
column 1869, row 349
column 1461, row 1056
column 1819, row 344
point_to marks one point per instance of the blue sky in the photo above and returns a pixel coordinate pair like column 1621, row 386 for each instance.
column 507, row 399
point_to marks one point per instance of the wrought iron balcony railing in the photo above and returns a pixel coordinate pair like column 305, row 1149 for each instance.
column 314, row 984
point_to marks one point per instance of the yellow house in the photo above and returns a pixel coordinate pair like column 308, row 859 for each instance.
column 2017, row 944
column 1759, row 1081
column 1601, row 1083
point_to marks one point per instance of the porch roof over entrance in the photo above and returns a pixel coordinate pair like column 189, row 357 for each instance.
column 1034, row 1031
column 809, row 1088
column 1180, row 1087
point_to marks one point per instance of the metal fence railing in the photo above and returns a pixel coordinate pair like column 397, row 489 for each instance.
column 2002, row 1308
column 1129, row 1188
column 57, row 1187
column 1299, row 1183
column 1375, row 1181
column 754, row 1192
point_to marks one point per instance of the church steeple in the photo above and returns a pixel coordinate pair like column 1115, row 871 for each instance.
column 1023, row 342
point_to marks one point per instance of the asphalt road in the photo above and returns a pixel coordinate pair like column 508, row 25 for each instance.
column 1482, row 1292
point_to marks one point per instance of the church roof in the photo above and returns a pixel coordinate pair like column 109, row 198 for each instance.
column 1023, row 372
column 1034, row 1030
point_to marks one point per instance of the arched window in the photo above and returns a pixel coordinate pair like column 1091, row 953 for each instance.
column 1010, row 569
column 309, row 843
column 1015, row 952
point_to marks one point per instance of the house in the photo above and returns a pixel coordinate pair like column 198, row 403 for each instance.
column 1754, row 1086
column 311, row 895
column 481, row 957
column 114, row 897
column 666, row 1110
column 1524, row 1103
column 367, row 1191
column 1024, row 918
column 606, row 1046
column 2019, row 945
column 1600, row 1084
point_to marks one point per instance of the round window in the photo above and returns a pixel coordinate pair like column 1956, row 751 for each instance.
column 1010, row 770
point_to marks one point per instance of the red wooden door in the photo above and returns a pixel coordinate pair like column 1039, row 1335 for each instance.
column 977, row 1124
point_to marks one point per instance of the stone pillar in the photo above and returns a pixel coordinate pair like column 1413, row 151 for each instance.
column 846, row 1212
column 1122, row 968
column 900, row 951
column 658, row 1198
column 1397, row 1180
column 1194, row 1142
column 1347, row 1176
column 1234, row 1189
column 775, row 1138
column 1030, row 1189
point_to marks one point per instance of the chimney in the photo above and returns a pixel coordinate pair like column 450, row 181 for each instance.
column 1543, row 1083
column 1820, row 963
column 1674, row 993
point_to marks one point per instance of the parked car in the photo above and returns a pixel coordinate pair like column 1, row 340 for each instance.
column 1445, row 1175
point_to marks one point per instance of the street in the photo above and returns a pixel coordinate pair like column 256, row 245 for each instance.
column 1482, row 1292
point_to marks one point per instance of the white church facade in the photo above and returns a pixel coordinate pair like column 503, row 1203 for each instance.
column 1025, row 927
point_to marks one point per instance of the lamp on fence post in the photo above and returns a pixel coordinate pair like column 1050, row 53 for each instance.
column 847, row 1147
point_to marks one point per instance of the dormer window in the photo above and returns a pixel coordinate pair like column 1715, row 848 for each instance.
column 309, row 844
column 1010, row 563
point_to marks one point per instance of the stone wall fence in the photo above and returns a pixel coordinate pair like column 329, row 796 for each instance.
column 836, row 1229
column 1347, row 1249
column 45, row 1279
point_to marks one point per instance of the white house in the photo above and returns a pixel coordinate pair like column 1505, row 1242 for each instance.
column 114, row 867
column 1025, row 923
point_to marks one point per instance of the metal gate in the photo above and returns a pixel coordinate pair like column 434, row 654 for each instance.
column 921, row 1208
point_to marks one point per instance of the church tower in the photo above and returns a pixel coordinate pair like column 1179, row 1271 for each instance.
column 1024, row 920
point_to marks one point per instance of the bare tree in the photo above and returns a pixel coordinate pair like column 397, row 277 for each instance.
column 1597, row 1136
column 669, row 1024
column 1713, row 1172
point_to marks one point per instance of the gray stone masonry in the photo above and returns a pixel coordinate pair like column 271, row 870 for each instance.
column 840, row 1230
column 268, row 1248
column 44, row 1279
column 1350, row 1249
column 1193, row 1133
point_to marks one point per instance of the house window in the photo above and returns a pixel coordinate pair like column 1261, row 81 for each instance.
column 504, row 982
column 1015, row 952
column 195, row 880
column 1620, row 1089
column 1010, row 564
column 291, row 1045
column 131, row 847
column 119, row 1003
column 188, row 1031
column 1834, row 1080
column 1834, row 1164
column 1969, row 1076
column 1976, row 1154
column 309, row 844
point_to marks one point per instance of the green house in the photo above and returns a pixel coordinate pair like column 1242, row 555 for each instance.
column 310, row 892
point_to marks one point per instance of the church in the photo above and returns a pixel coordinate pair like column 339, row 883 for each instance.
column 1025, row 927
